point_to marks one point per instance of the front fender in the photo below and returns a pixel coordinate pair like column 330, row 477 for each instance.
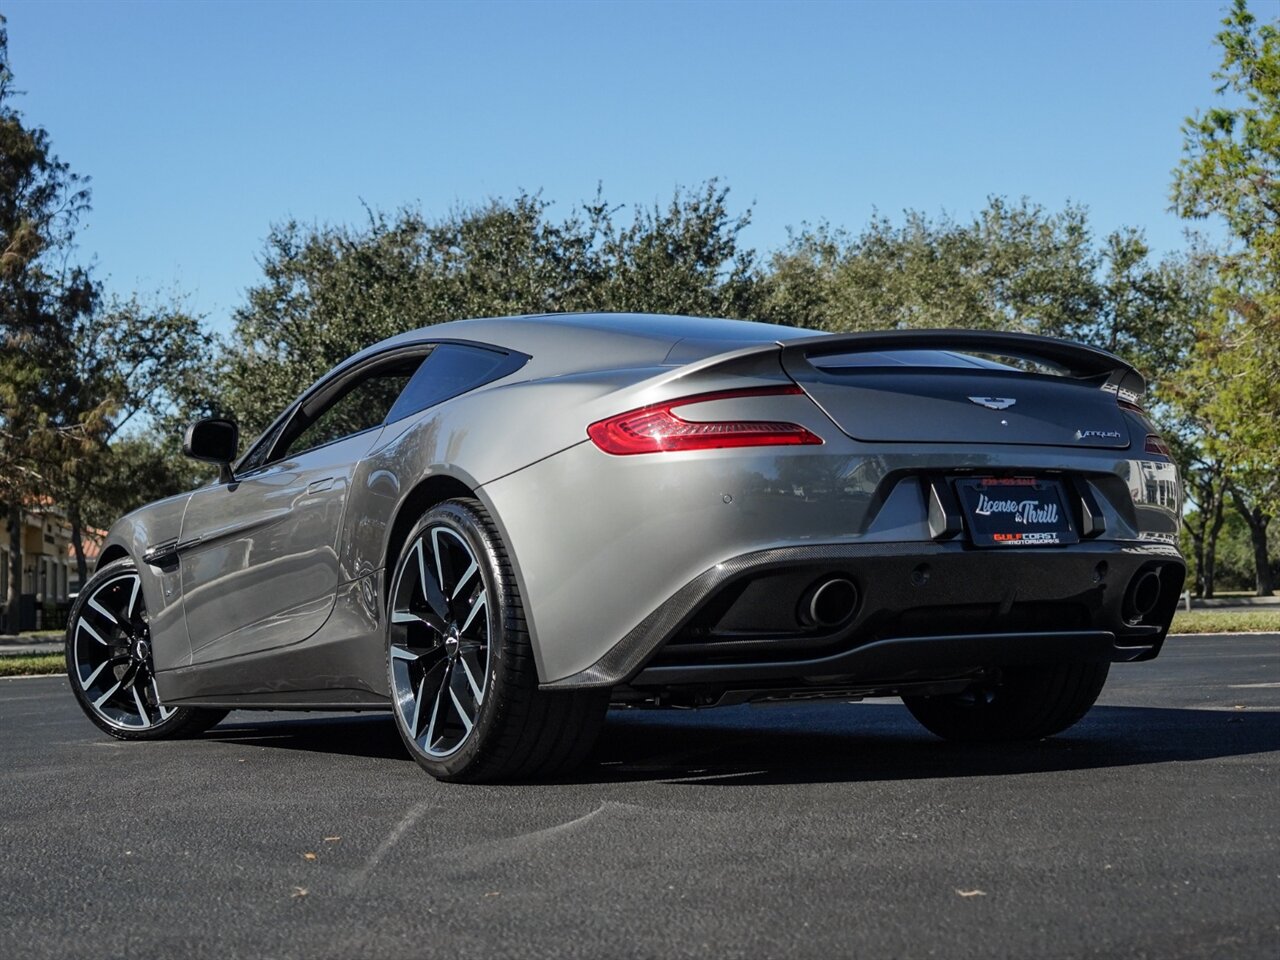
column 134, row 534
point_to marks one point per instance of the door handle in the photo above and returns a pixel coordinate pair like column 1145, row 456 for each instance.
column 318, row 486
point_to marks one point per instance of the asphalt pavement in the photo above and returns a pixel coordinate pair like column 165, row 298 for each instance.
column 1152, row 829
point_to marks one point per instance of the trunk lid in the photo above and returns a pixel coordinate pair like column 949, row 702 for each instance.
column 962, row 387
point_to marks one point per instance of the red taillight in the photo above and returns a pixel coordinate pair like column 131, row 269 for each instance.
column 656, row 429
column 1157, row 445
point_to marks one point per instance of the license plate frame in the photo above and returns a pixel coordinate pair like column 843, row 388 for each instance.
column 1003, row 512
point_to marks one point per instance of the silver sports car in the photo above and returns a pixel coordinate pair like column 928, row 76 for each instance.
column 495, row 529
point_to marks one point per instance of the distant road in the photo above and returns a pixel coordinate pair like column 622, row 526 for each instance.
column 1150, row 830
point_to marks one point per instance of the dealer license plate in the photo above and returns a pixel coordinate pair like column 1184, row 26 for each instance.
column 1016, row 512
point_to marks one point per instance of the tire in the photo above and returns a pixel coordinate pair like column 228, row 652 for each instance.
column 1027, row 703
column 460, row 665
column 109, row 664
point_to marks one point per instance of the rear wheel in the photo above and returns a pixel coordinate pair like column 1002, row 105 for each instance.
column 460, row 664
column 1027, row 703
column 109, row 663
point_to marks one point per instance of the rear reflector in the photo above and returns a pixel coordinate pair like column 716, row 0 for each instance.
column 656, row 429
column 1157, row 445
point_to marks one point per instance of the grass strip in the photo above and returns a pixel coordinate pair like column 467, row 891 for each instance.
column 1226, row 621
column 27, row 665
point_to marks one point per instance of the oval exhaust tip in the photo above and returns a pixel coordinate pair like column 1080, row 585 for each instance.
column 832, row 602
column 1144, row 594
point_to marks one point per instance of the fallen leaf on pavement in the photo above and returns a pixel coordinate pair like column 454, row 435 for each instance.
column 972, row 893
column 299, row 893
column 308, row 856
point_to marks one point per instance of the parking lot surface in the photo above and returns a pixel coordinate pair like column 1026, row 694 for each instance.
column 1152, row 829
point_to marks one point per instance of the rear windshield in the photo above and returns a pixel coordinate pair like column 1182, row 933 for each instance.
column 953, row 359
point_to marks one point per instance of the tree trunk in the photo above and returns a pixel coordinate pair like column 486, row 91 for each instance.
column 1197, row 551
column 13, row 598
column 1211, row 547
column 77, row 542
column 1257, row 520
column 1258, row 534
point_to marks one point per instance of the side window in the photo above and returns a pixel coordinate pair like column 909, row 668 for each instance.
column 449, row 370
column 360, row 406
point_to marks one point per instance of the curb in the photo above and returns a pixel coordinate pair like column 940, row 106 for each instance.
column 33, row 676
column 1230, row 633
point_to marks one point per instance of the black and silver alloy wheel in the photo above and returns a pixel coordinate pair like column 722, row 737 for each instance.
column 460, row 665
column 110, row 665
column 440, row 640
column 110, row 648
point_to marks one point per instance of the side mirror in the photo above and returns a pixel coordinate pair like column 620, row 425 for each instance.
column 214, row 440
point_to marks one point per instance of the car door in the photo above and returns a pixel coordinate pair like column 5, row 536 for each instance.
column 260, row 555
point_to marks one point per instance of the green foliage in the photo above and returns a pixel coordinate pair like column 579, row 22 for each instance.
column 41, row 201
column 1234, row 568
column 1231, row 153
column 37, row 665
column 133, row 362
column 74, row 372
column 1015, row 266
column 1231, row 169
column 330, row 291
column 139, row 468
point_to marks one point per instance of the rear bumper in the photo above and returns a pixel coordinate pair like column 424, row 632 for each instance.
column 925, row 611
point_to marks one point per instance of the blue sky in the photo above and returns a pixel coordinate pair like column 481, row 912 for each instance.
column 201, row 123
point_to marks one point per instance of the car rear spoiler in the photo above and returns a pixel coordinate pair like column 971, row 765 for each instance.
column 1075, row 359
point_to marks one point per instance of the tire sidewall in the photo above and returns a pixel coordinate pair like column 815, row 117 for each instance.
column 180, row 715
column 461, row 519
column 1029, row 703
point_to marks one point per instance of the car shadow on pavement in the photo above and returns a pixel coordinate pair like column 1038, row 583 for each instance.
column 822, row 743
column 830, row 743
column 359, row 735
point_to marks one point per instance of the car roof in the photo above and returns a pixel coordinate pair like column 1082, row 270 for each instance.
column 568, row 342
column 561, row 343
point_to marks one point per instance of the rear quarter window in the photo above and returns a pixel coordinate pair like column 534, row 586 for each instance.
column 451, row 369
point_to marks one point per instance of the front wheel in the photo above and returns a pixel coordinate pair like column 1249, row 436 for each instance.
column 1026, row 703
column 109, row 662
column 460, row 664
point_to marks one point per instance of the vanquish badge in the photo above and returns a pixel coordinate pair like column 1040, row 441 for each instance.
column 994, row 403
column 1097, row 434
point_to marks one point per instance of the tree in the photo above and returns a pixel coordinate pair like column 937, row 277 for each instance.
column 127, row 364
column 140, row 467
column 1230, row 166
column 1249, row 494
column 686, row 258
column 40, row 294
column 330, row 291
column 1235, row 415
column 1014, row 266
column 1205, row 480
column 1230, row 169
column 1144, row 311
